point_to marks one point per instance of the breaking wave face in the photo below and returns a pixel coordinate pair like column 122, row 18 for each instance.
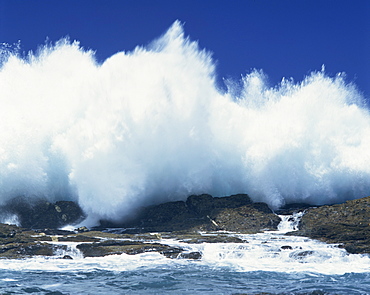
column 151, row 126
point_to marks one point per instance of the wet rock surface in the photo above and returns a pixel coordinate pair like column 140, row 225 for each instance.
column 175, row 220
column 201, row 219
column 16, row 242
column 110, row 247
column 43, row 214
column 347, row 224
column 290, row 209
column 204, row 213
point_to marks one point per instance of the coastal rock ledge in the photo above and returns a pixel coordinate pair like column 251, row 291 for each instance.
column 347, row 224
column 235, row 213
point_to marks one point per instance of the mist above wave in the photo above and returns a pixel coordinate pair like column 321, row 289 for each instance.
column 151, row 125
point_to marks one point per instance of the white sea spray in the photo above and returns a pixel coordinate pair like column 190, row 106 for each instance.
column 151, row 125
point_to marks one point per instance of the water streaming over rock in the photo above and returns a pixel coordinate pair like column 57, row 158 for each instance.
column 269, row 262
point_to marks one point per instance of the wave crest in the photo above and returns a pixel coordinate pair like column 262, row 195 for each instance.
column 151, row 126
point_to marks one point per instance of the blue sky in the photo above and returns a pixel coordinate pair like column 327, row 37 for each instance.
column 287, row 38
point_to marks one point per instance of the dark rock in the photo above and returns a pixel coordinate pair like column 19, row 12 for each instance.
column 28, row 243
column 215, row 238
column 201, row 204
column 67, row 257
column 251, row 218
column 191, row 255
column 286, row 247
column 28, row 249
column 204, row 213
column 166, row 212
column 171, row 252
column 99, row 249
column 16, row 242
column 347, row 224
column 53, row 232
column 43, row 214
column 82, row 229
column 78, row 239
column 292, row 208
column 301, row 254
column 204, row 204
column 8, row 231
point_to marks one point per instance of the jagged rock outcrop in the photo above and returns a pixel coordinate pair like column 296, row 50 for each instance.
column 347, row 224
column 181, row 220
column 16, row 242
column 205, row 213
column 110, row 247
column 43, row 214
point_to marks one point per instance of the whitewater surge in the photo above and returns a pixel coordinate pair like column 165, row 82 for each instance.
column 270, row 251
column 152, row 125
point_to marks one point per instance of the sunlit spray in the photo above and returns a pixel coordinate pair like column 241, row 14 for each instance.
column 152, row 125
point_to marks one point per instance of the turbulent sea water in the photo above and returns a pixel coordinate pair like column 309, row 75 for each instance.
column 261, row 264
column 151, row 126
column 193, row 279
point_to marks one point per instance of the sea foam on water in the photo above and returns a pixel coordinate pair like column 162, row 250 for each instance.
column 152, row 125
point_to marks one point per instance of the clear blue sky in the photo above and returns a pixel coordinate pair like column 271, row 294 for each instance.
column 286, row 38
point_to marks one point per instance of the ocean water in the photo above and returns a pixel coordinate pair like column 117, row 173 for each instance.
column 268, row 262
column 181, row 280
column 153, row 125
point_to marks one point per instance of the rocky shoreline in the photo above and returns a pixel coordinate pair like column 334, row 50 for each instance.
column 346, row 224
column 235, row 213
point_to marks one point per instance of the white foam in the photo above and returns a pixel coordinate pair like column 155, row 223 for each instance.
column 289, row 223
column 8, row 218
column 71, row 250
column 151, row 126
column 270, row 251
